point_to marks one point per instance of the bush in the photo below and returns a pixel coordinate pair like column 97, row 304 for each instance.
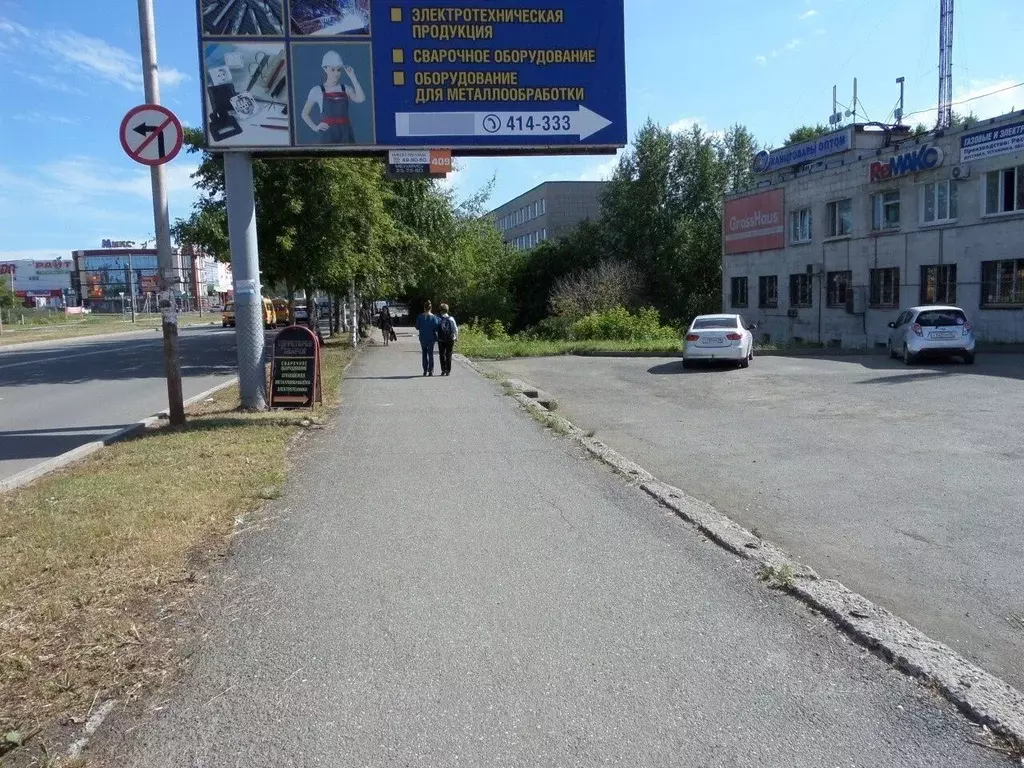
column 551, row 329
column 495, row 330
column 618, row 324
column 602, row 288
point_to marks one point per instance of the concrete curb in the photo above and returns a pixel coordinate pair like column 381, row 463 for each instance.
column 70, row 457
column 823, row 354
column 980, row 695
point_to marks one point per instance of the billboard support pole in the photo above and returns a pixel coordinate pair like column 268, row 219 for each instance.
column 245, row 267
column 131, row 283
column 161, row 217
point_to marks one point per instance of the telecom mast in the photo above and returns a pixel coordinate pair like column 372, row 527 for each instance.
column 945, row 65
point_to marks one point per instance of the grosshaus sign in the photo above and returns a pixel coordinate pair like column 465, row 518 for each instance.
column 295, row 370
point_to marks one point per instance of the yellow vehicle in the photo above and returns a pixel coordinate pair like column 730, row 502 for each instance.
column 227, row 317
column 281, row 310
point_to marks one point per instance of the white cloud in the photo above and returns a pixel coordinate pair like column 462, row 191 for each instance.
column 100, row 59
column 761, row 61
column 792, row 45
column 601, row 171
column 819, row 31
column 990, row 98
column 41, row 118
column 808, row 14
column 89, row 56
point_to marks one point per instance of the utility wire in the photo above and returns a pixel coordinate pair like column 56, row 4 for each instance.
column 964, row 101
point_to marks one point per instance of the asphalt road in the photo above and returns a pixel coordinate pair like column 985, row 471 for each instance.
column 58, row 396
column 903, row 483
column 446, row 584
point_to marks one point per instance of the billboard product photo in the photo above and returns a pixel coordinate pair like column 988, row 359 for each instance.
column 231, row 18
column 246, row 94
column 333, row 83
column 330, row 17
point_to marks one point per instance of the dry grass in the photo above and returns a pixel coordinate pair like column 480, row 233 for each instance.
column 97, row 562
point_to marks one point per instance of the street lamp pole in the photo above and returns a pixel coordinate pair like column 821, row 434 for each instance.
column 161, row 216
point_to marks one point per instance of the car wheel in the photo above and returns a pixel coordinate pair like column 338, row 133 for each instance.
column 892, row 352
column 687, row 364
column 969, row 358
column 908, row 359
column 745, row 362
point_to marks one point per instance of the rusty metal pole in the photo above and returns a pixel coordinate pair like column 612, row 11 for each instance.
column 161, row 216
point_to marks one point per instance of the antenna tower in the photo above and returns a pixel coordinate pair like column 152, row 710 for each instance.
column 945, row 65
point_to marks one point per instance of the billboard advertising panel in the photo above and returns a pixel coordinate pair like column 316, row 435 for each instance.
column 359, row 76
column 755, row 222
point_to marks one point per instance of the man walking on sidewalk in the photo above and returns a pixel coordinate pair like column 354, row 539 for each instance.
column 427, row 324
column 447, row 333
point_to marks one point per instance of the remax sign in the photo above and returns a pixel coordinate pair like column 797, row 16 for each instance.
column 920, row 159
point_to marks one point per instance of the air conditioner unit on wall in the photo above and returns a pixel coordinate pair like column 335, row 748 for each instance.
column 961, row 172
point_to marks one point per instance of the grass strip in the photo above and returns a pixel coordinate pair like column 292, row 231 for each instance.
column 98, row 325
column 504, row 349
column 99, row 559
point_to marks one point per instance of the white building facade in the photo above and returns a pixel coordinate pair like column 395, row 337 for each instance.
column 841, row 233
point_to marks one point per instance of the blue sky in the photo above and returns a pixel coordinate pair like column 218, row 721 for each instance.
column 71, row 71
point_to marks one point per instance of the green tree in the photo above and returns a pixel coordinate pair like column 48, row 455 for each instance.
column 807, row 133
column 7, row 297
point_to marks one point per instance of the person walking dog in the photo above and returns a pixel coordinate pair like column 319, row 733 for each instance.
column 426, row 325
column 447, row 333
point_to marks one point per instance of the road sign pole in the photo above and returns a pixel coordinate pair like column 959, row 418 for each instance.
column 161, row 217
column 245, row 267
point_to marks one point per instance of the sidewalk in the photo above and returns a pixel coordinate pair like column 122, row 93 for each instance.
column 446, row 584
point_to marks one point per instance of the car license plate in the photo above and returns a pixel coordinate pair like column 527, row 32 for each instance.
column 941, row 335
column 712, row 342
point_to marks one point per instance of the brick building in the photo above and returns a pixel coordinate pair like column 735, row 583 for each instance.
column 841, row 232
column 548, row 211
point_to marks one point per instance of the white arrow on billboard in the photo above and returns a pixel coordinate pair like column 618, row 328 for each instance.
column 582, row 122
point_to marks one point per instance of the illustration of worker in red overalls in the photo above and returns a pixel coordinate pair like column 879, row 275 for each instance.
column 333, row 98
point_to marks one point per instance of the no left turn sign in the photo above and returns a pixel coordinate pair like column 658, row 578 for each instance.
column 151, row 134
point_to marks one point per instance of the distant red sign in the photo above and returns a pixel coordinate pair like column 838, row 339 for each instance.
column 755, row 222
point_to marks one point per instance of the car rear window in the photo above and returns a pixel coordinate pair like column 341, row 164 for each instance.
column 714, row 322
column 937, row 317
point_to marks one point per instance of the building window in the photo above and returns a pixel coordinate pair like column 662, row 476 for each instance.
column 938, row 202
column 739, row 292
column 1002, row 283
column 543, row 206
column 768, row 291
column 1004, row 190
column 838, row 288
column 885, row 287
column 800, row 226
column 885, row 210
column 544, row 234
column 938, row 284
column 800, row 290
column 840, row 218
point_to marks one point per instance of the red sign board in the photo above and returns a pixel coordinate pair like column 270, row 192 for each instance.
column 755, row 223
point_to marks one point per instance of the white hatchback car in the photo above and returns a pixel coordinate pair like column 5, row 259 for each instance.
column 932, row 331
column 719, row 337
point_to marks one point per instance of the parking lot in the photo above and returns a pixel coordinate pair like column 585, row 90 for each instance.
column 906, row 484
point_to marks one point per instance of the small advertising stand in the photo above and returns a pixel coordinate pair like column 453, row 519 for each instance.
column 295, row 369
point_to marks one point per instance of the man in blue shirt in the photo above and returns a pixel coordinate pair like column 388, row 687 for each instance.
column 427, row 324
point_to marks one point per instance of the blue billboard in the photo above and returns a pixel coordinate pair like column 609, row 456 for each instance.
column 358, row 76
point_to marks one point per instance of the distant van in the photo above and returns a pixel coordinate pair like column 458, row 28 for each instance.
column 227, row 317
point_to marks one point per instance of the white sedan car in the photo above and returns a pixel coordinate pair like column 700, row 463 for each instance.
column 719, row 337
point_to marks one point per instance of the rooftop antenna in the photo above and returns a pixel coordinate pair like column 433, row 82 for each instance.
column 945, row 65
column 898, row 113
column 836, row 117
column 852, row 112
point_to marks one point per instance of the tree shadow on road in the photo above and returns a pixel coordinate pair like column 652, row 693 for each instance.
column 21, row 444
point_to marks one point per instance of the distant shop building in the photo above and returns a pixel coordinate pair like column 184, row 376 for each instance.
column 39, row 282
column 547, row 212
column 107, row 277
column 841, row 232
